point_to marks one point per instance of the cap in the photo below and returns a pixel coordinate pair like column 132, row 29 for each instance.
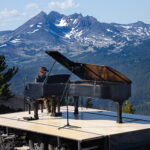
column 44, row 69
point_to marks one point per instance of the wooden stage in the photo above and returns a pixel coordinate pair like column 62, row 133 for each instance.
column 93, row 123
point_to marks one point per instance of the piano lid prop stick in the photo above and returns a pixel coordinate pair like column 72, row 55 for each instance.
column 49, row 72
column 51, row 68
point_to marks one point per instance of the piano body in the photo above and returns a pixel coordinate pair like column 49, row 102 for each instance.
column 97, row 81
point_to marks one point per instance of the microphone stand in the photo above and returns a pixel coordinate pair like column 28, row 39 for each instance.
column 68, row 126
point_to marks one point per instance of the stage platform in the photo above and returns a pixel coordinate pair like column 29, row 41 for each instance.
column 92, row 123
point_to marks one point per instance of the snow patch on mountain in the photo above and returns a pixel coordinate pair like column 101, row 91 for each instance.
column 31, row 25
column 15, row 41
column 33, row 31
column 118, row 48
column 75, row 21
column 39, row 26
column 3, row 45
column 147, row 33
column 74, row 33
column 62, row 23
column 76, row 52
column 109, row 30
column 126, row 26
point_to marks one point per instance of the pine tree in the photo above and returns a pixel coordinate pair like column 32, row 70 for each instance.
column 5, row 77
column 128, row 108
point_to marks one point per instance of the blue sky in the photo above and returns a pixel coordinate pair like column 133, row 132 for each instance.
column 14, row 13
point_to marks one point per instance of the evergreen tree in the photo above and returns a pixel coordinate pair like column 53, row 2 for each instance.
column 128, row 108
column 5, row 77
column 89, row 103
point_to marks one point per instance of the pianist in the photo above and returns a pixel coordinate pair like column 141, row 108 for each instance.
column 41, row 78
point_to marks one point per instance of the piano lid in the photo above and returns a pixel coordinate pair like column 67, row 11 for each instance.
column 89, row 71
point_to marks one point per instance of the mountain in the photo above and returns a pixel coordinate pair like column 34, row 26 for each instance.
column 73, row 35
column 126, row 47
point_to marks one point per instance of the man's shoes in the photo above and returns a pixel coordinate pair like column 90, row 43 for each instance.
column 30, row 118
column 36, row 117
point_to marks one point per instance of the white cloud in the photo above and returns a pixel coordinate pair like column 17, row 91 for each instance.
column 24, row 14
column 32, row 5
column 13, row 18
column 8, row 13
column 63, row 5
column 2, row 24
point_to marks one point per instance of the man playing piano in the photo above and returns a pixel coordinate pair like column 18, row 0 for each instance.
column 41, row 78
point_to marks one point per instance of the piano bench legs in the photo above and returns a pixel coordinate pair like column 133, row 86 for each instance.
column 47, row 105
column 42, row 108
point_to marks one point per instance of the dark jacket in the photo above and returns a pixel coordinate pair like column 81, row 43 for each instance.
column 40, row 78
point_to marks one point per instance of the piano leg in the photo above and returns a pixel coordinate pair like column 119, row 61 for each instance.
column 29, row 108
column 119, row 112
column 35, row 107
column 58, row 103
column 53, row 106
column 76, row 98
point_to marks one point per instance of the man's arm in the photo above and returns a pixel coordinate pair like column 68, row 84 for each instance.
column 36, row 79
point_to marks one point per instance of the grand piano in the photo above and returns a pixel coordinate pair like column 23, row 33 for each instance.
column 97, row 82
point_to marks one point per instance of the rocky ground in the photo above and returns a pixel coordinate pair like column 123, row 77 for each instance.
column 14, row 104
